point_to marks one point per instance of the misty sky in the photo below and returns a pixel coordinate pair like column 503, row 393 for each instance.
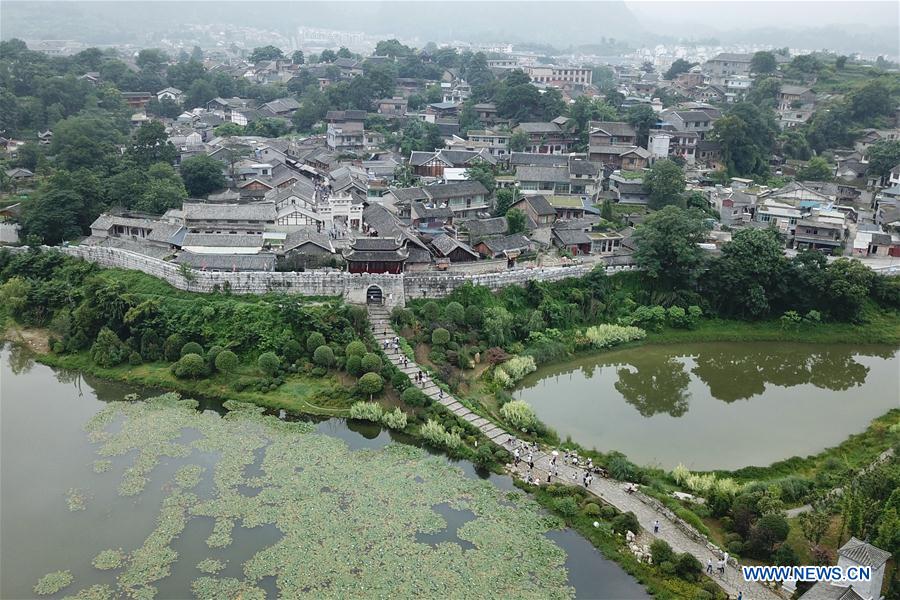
column 736, row 14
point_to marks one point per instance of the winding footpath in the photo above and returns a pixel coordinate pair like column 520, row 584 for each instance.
column 672, row 530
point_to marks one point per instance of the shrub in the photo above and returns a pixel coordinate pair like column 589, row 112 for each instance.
column 211, row 355
column 323, row 356
column 608, row 512
column 226, row 361
column 371, row 363
column 354, row 365
column 667, row 567
column 622, row 468
column 688, row 567
column 591, row 510
column 151, row 346
column 59, row 348
column 395, row 419
column 135, row 359
column 366, row 411
column 192, row 348
column 413, row 396
column 626, row 522
column 735, row 547
column 661, row 551
column 436, row 435
column 455, row 313
column 519, row 414
column 370, row 384
column 108, row 350
column 606, row 335
column 313, row 341
column 440, row 336
column 172, row 347
column 651, row 317
column 769, row 530
column 189, row 365
column 355, row 348
column 431, row 311
column 566, row 506
column 474, row 315
column 680, row 474
column 292, row 350
column 501, row 378
column 403, row 317
column 518, row 367
column 268, row 363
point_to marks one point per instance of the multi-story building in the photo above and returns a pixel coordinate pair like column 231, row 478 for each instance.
column 558, row 76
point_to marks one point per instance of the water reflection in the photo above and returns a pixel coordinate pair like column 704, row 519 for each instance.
column 678, row 403
column 655, row 386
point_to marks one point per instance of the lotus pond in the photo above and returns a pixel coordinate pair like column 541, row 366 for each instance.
column 717, row 405
column 167, row 498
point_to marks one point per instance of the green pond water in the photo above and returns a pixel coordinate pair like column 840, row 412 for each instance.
column 191, row 499
column 716, row 405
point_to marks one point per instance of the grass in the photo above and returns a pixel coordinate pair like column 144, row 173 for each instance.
column 299, row 394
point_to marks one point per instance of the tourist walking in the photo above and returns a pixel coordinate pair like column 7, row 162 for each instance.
column 720, row 567
column 709, row 565
column 656, row 526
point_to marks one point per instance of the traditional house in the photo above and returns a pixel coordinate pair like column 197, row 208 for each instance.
column 611, row 133
column 546, row 138
column 794, row 96
column 628, row 189
column 627, row 158
column 282, row 107
column 170, row 93
column 854, row 554
column 228, row 219
column 376, row 255
column 451, row 248
column 432, row 164
column 726, row 64
column 481, row 229
column 574, row 241
column 538, row 210
column 509, row 247
column 137, row 100
column 305, row 249
column 392, row 107
column 227, row 263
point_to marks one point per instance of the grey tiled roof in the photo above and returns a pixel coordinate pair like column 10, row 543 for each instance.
column 479, row 228
column 445, row 244
column 296, row 239
column 540, row 205
column 613, row 128
column 261, row 211
column 863, row 553
column 227, row 262
column 552, row 174
column 537, row 159
column 540, row 127
column 506, row 243
column 376, row 243
column 223, row 240
column 453, row 190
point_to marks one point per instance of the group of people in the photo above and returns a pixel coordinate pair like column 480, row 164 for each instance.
column 720, row 565
column 392, row 344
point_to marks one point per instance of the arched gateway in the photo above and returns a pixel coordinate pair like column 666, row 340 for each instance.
column 374, row 295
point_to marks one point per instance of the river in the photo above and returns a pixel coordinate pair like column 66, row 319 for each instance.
column 716, row 405
column 257, row 507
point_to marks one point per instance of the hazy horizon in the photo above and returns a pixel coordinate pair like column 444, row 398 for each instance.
column 868, row 27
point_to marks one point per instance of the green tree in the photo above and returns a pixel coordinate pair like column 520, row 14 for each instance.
column 53, row 216
column 874, row 99
column 518, row 141
column 483, row 173
column 87, row 141
column 323, row 356
column 516, row 221
column 840, row 62
column 748, row 280
column 190, row 365
column 226, row 361
column 370, row 384
column 747, row 135
column 678, row 67
column 265, row 53
column 150, row 145
column 440, row 336
column 505, row 198
column 665, row 185
column 642, row 118
column 765, row 92
column 297, row 57
column 268, row 363
column 884, row 155
column 313, row 341
column 817, row 169
column 667, row 247
column 199, row 93
column 371, row 363
column 192, row 348
column 152, row 60
column 355, row 348
column 202, row 175
column 108, row 350
column 455, row 313
column 763, row 63
column 327, row 56
column 229, row 129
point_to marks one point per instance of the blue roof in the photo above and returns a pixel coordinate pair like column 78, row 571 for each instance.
column 809, row 204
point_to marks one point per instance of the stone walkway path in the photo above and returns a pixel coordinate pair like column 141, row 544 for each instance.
column 610, row 491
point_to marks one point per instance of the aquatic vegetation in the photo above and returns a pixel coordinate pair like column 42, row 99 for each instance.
column 606, row 335
column 102, row 466
column 109, row 559
column 75, row 499
column 317, row 493
column 53, row 582
column 515, row 368
column 95, row 592
column 366, row 411
column 394, row 419
column 519, row 414
column 210, row 565
column 435, row 433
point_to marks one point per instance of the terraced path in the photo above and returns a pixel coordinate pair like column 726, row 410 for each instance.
column 680, row 536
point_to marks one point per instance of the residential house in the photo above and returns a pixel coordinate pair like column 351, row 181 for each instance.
column 20, row 175
column 546, row 138
column 559, row 75
column 429, row 218
column 45, row 138
column 228, row 219
column 228, row 262
column 794, row 96
column 306, row 249
column 349, row 67
column 821, row 229
column 851, row 556
column 465, row 198
column 480, row 229
column 392, row 107
column 443, row 109
column 445, row 246
column 693, row 121
column 486, row 111
column 432, row 164
column 137, row 100
column 628, row 158
column 611, row 133
column 628, row 188
column 575, row 241
column 509, row 247
column 539, row 211
column 567, row 207
column 170, row 93
column 282, row 107
column 349, row 136
column 726, row 64
column 496, row 142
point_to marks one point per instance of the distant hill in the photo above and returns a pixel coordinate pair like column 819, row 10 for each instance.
column 553, row 23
